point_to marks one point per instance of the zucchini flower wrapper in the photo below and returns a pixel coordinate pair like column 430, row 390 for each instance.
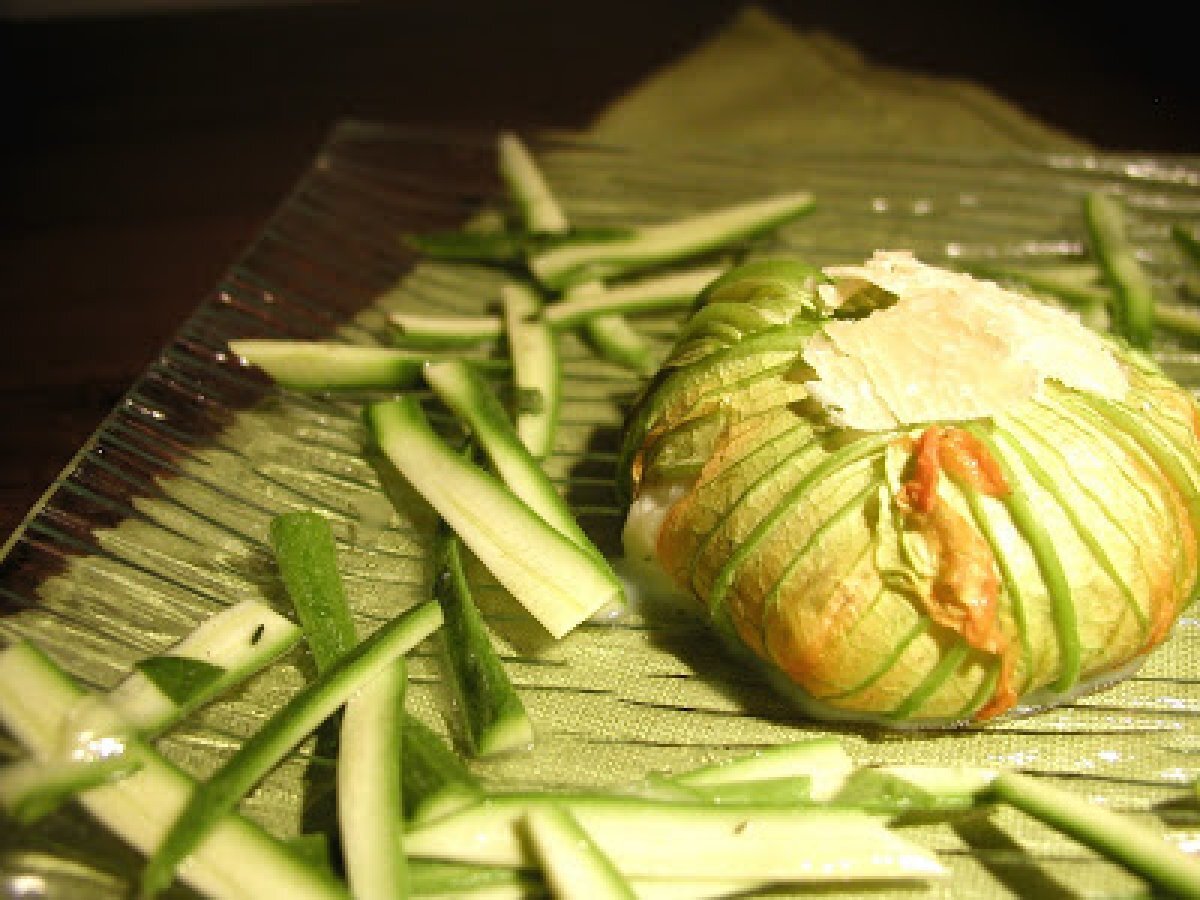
column 933, row 570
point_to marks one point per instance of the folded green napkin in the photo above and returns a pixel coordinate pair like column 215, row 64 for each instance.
column 760, row 82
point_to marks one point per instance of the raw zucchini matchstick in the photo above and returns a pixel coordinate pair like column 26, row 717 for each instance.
column 1108, row 228
column 559, row 583
column 280, row 734
column 536, row 369
column 223, row 651
column 235, row 860
column 371, row 735
column 494, row 716
column 610, row 333
column 306, row 555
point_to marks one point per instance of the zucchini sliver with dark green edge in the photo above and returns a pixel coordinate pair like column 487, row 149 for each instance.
column 559, row 582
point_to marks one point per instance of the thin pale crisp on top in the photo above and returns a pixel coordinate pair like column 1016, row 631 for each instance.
column 952, row 347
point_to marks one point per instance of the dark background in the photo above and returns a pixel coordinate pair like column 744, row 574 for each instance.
column 139, row 153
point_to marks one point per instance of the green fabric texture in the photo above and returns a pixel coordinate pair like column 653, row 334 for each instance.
column 761, row 83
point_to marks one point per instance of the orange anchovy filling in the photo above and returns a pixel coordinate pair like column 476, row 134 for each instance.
column 965, row 596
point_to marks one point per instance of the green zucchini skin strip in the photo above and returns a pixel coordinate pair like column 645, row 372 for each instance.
column 560, row 584
column 574, row 867
column 450, row 880
column 1116, row 836
column 326, row 366
column 1107, row 228
column 670, row 291
column 237, row 860
column 444, row 331
column 660, row 293
column 495, row 716
column 370, row 785
column 306, row 555
column 369, row 780
column 619, row 342
column 667, row 243
column 267, row 747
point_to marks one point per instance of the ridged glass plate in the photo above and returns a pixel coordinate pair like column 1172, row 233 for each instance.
column 162, row 519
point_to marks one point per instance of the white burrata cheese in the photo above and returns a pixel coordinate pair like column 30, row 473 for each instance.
column 952, row 347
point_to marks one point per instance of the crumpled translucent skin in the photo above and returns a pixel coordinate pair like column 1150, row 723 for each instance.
column 943, row 573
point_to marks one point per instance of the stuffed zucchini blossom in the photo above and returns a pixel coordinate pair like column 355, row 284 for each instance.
column 913, row 497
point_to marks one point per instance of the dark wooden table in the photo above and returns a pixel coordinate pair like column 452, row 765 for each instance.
column 141, row 153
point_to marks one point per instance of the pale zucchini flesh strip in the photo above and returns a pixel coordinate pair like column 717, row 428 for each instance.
column 441, row 331
column 369, row 785
column 539, row 208
column 824, row 760
column 537, row 373
column 557, row 582
column 574, row 867
column 669, row 291
column 223, row 650
column 459, row 386
column 655, row 293
column 739, row 841
column 236, row 859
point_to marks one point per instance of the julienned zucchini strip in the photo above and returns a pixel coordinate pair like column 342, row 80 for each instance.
column 435, row 781
column 824, row 761
column 459, row 386
column 306, row 555
column 536, row 369
column 1115, row 835
column 460, row 881
column 573, row 866
column 653, row 838
column 560, row 584
column 538, row 206
column 235, row 858
column 669, row 242
column 657, row 293
column 1107, row 228
column 267, row 747
column 370, row 748
column 652, row 293
column 610, row 334
column 370, row 786
column 495, row 717
column 327, row 366
column 222, row 651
